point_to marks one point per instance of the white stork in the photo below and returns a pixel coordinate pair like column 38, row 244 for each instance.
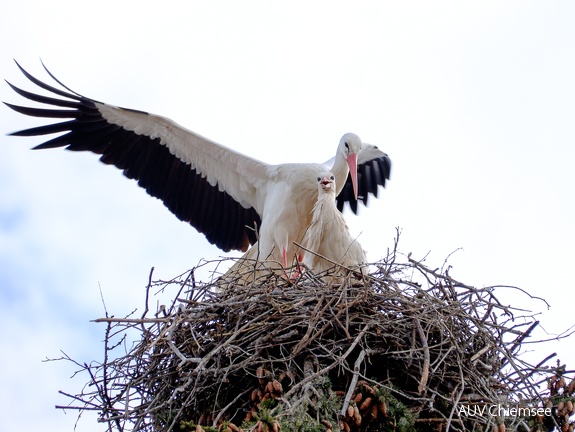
column 327, row 240
column 224, row 194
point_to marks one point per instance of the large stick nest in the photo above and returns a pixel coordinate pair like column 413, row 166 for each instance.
column 404, row 348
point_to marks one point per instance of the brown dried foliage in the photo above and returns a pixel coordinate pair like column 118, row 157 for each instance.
column 405, row 333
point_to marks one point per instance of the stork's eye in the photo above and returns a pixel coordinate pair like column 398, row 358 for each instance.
column 347, row 146
column 332, row 177
column 319, row 178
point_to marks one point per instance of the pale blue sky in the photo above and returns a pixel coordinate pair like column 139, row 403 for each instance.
column 472, row 100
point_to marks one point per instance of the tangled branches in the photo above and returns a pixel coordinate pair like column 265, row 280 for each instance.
column 406, row 348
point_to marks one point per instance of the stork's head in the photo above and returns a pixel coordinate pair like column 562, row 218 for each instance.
column 350, row 145
column 326, row 182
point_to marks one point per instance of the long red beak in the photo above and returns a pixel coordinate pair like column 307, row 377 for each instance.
column 352, row 163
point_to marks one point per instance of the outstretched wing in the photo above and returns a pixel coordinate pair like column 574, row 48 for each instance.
column 210, row 186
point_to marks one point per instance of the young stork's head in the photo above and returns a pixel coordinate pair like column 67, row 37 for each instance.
column 326, row 182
